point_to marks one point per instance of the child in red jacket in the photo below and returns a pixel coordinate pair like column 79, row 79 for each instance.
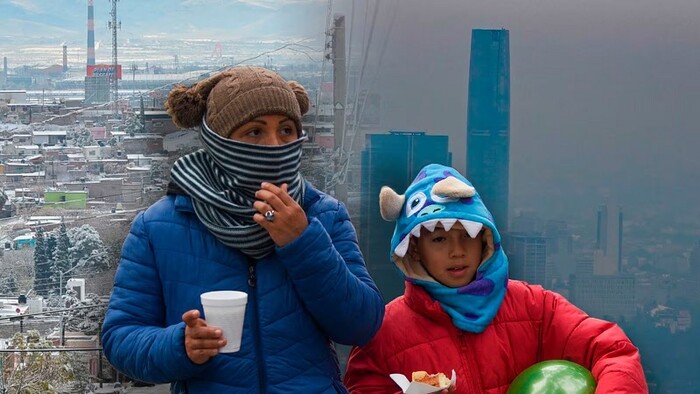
column 459, row 310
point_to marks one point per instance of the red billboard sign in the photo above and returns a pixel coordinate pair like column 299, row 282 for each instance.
column 104, row 70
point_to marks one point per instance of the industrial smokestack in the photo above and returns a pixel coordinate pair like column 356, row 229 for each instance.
column 91, row 34
column 4, row 72
column 65, row 58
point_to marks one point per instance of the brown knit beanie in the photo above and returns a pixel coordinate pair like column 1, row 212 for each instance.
column 236, row 96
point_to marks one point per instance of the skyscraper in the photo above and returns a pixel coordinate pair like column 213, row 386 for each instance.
column 608, row 256
column 488, row 120
column 604, row 296
column 527, row 258
column 393, row 160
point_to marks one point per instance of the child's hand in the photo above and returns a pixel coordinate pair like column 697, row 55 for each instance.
column 449, row 390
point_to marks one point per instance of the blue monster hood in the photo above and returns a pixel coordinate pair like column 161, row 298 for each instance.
column 441, row 195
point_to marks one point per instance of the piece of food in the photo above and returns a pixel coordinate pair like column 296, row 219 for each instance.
column 437, row 380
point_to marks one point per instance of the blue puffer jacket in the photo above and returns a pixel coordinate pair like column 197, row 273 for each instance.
column 306, row 295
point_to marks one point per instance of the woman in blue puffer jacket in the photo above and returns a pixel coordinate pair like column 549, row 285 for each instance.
column 239, row 216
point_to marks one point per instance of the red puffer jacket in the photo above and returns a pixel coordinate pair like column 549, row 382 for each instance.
column 532, row 325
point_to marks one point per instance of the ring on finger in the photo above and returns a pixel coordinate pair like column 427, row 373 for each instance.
column 270, row 215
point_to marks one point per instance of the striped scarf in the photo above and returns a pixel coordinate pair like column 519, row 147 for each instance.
column 222, row 180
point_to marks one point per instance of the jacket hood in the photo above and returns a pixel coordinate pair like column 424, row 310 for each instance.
column 438, row 195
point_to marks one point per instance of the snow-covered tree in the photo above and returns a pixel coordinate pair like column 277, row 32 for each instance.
column 89, row 317
column 114, row 168
column 8, row 283
column 35, row 372
column 87, row 249
column 134, row 124
column 3, row 198
column 42, row 264
column 158, row 170
column 21, row 264
column 83, row 137
column 112, row 235
column 61, row 257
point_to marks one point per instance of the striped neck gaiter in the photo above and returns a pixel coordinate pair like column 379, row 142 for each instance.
column 222, row 180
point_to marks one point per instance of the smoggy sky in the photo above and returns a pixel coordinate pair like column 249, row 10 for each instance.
column 604, row 94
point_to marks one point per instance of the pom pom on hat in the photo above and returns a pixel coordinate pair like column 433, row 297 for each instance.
column 185, row 106
column 301, row 95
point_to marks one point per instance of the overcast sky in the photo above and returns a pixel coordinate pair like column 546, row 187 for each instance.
column 604, row 94
column 212, row 19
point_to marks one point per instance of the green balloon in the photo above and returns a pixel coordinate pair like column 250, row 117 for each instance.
column 554, row 377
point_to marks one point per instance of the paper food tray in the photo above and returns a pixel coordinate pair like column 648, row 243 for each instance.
column 409, row 387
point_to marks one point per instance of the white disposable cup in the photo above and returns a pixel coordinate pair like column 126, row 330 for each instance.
column 226, row 310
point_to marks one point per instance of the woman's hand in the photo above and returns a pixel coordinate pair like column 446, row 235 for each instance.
column 289, row 219
column 202, row 342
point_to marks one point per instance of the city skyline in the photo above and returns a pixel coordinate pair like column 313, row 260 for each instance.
column 602, row 102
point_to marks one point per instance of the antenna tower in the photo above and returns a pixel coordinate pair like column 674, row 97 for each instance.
column 114, row 26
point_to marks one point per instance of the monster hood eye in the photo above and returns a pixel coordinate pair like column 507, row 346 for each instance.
column 415, row 203
column 441, row 199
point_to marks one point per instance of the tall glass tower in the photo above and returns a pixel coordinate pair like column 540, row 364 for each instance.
column 609, row 229
column 488, row 120
column 392, row 159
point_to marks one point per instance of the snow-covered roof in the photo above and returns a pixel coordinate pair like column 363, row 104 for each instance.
column 40, row 218
column 49, row 133
column 62, row 148
column 34, row 157
column 24, row 237
column 145, row 136
column 12, row 126
column 29, row 174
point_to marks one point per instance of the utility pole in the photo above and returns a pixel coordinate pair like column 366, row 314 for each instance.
column 339, row 92
column 3, row 389
column 114, row 26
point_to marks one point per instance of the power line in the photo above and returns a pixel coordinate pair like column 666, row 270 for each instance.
column 358, row 112
column 183, row 81
column 324, row 61
column 51, row 350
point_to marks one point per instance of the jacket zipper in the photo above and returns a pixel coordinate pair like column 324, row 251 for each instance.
column 252, row 282
column 468, row 363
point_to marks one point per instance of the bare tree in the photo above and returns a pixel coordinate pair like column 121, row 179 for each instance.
column 21, row 264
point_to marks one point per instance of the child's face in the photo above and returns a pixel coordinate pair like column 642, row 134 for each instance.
column 450, row 257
